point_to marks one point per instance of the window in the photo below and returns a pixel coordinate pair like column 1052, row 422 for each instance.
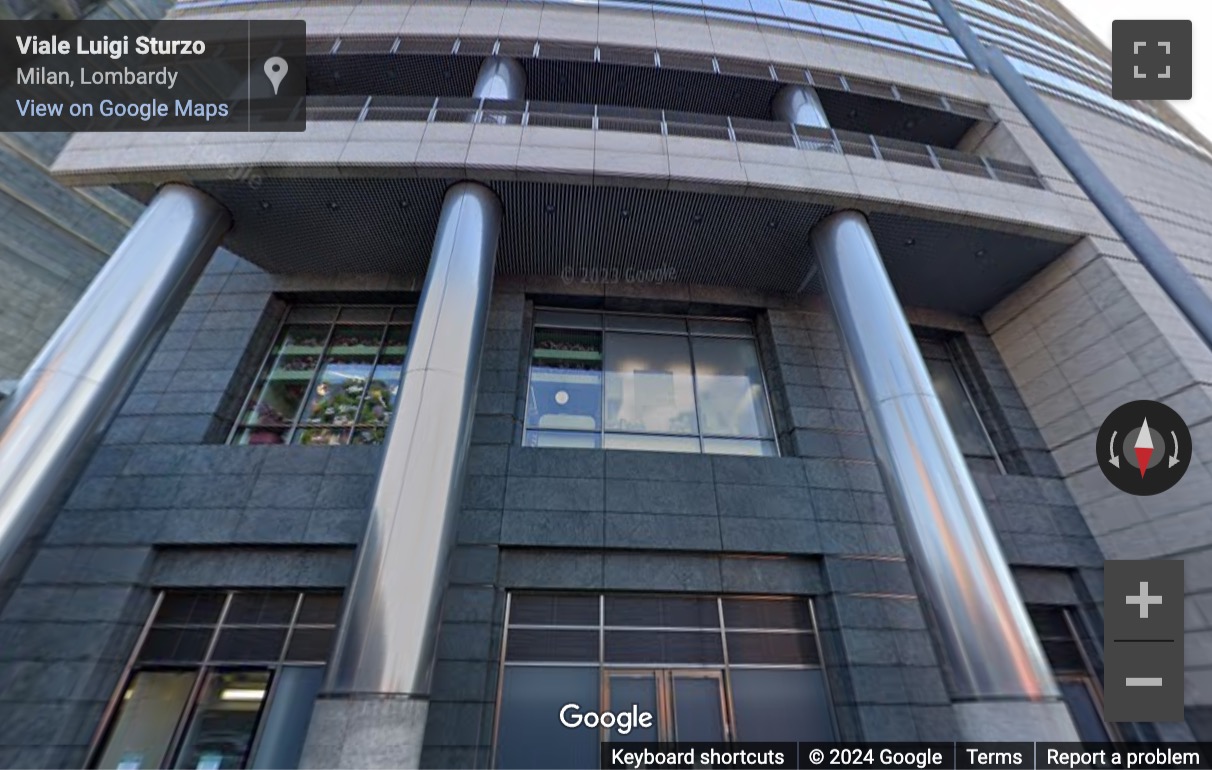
column 1057, row 628
column 647, row 382
column 955, row 393
column 212, row 667
column 707, row 668
column 331, row 377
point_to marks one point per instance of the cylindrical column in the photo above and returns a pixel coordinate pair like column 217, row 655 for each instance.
column 500, row 78
column 383, row 656
column 65, row 401
column 386, row 640
column 799, row 105
column 990, row 649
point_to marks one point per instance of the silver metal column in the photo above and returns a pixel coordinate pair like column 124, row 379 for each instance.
column 1158, row 259
column 65, row 401
column 383, row 657
column 500, row 78
column 799, row 105
column 386, row 641
column 987, row 640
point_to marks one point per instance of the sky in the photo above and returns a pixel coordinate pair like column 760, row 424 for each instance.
column 1097, row 15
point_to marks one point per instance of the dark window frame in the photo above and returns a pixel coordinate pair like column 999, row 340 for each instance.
column 398, row 315
column 604, row 329
column 208, row 665
column 806, row 626
column 988, row 413
column 1087, row 673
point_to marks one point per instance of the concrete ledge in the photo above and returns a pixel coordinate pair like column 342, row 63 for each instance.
column 332, row 149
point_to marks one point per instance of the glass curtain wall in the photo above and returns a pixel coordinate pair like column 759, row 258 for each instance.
column 647, row 383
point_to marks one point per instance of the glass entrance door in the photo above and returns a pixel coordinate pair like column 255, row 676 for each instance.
column 688, row 705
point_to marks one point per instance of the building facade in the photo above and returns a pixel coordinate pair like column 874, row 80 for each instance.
column 53, row 238
column 741, row 362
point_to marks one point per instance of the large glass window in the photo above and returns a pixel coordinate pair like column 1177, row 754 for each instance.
column 1058, row 630
column 647, row 382
column 706, row 668
column 331, row 377
column 214, row 666
column 955, row 393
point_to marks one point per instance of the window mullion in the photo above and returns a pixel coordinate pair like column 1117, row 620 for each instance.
column 311, row 383
column 602, row 395
column 261, row 381
column 191, row 704
column 370, row 378
column 961, row 375
column 290, row 630
column 694, row 391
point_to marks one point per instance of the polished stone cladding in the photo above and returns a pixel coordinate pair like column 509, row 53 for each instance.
column 164, row 503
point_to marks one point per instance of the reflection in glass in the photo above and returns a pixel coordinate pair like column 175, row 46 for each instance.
column 649, row 387
column 565, row 380
column 286, row 720
column 664, row 655
column 225, row 720
column 961, row 414
column 627, row 690
column 780, row 705
column 384, row 387
column 148, row 715
column 322, row 436
column 563, row 439
column 698, row 708
column 740, row 446
column 636, row 385
column 338, row 390
column 640, row 443
column 274, row 403
column 319, row 379
column 728, row 382
column 1085, row 714
column 529, row 732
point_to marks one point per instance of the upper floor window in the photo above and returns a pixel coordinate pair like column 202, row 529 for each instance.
column 1058, row 630
column 707, row 668
column 331, row 377
column 656, row 383
column 211, row 668
column 955, row 392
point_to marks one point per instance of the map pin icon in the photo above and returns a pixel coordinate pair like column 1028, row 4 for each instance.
column 275, row 70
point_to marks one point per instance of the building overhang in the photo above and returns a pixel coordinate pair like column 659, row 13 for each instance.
column 593, row 205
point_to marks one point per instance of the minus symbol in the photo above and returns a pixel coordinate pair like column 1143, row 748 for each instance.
column 1143, row 681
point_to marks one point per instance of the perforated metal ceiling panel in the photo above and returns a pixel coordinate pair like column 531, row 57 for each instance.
column 601, row 234
column 952, row 267
column 694, row 237
column 325, row 226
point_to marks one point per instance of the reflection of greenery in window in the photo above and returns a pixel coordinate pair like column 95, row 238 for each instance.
column 645, row 382
column 566, row 380
column 332, row 377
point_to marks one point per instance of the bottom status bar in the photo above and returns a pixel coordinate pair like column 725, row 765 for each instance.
column 908, row 756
